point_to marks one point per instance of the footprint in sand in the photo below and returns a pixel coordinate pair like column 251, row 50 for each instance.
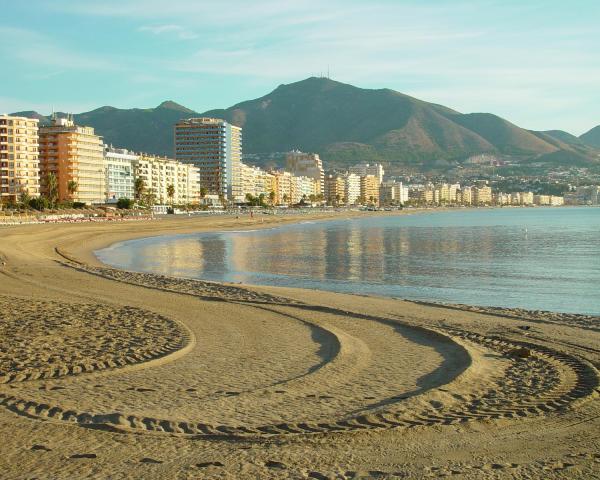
column 273, row 464
column 150, row 460
column 43, row 448
column 209, row 464
column 318, row 476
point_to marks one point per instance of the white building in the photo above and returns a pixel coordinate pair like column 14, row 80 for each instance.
column 119, row 173
column 393, row 192
column 351, row 188
column 159, row 173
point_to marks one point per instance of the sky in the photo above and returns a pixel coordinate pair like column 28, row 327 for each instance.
column 535, row 63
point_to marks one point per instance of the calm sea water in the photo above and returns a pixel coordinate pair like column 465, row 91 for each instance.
column 540, row 258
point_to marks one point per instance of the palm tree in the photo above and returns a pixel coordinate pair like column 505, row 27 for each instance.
column 52, row 189
column 203, row 192
column 149, row 198
column 337, row 199
column 171, row 192
column 272, row 197
column 285, row 198
column 139, row 186
column 24, row 198
column 72, row 187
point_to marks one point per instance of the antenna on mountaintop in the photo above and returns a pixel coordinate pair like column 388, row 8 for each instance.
column 328, row 78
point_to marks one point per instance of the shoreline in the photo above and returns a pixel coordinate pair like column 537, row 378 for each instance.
column 514, row 311
column 273, row 382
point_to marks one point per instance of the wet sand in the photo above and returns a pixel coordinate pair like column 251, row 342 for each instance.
column 113, row 374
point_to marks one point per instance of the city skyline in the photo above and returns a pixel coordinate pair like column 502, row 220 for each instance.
column 467, row 55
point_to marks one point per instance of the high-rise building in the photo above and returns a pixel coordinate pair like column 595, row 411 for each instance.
column 482, row 195
column 283, row 187
column 334, row 191
column 363, row 169
column 393, row 192
column 119, row 173
column 215, row 147
column 302, row 164
column 19, row 162
column 351, row 188
column 467, row 195
column 369, row 189
column 73, row 154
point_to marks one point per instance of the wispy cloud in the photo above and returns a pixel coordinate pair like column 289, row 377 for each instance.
column 38, row 50
column 179, row 31
column 517, row 57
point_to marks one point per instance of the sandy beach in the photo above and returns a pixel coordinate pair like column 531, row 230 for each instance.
column 112, row 374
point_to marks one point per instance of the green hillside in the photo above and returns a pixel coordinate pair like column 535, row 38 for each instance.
column 345, row 124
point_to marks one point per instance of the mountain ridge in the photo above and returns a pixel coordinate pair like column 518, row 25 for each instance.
column 345, row 124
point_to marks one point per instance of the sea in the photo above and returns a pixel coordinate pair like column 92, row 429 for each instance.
column 532, row 258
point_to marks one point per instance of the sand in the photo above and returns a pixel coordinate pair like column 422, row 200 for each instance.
column 113, row 374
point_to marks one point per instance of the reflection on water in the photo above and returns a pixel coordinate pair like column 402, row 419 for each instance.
column 531, row 258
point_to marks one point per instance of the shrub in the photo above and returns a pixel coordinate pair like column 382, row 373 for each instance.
column 124, row 203
column 39, row 203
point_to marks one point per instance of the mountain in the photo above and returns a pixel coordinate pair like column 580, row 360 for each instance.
column 345, row 124
column 141, row 130
column 592, row 137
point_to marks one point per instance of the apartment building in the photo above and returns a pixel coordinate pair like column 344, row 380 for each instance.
column 214, row 146
column 482, row 195
column 73, row 154
column 19, row 158
column 586, row 195
column 352, row 188
column 441, row 193
column 369, row 189
column 302, row 188
column 334, row 188
column 466, row 194
column 302, row 164
column 119, row 173
column 283, row 187
column 159, row 173
column 393, row 192
column 256, row 181
column 364, row 169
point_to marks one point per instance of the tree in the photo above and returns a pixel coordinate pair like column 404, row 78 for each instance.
column 139, row 187
column 72, row 187
column 124, row 203
column 261, row 200
column 51, row 189
column 149, row 198
column 272, row 197
column 171, row 192
column 24, row 198
column 338, row 197
column 285, row 198
column 203, row 192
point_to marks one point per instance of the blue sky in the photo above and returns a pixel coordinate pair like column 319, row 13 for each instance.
column 535, row 63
